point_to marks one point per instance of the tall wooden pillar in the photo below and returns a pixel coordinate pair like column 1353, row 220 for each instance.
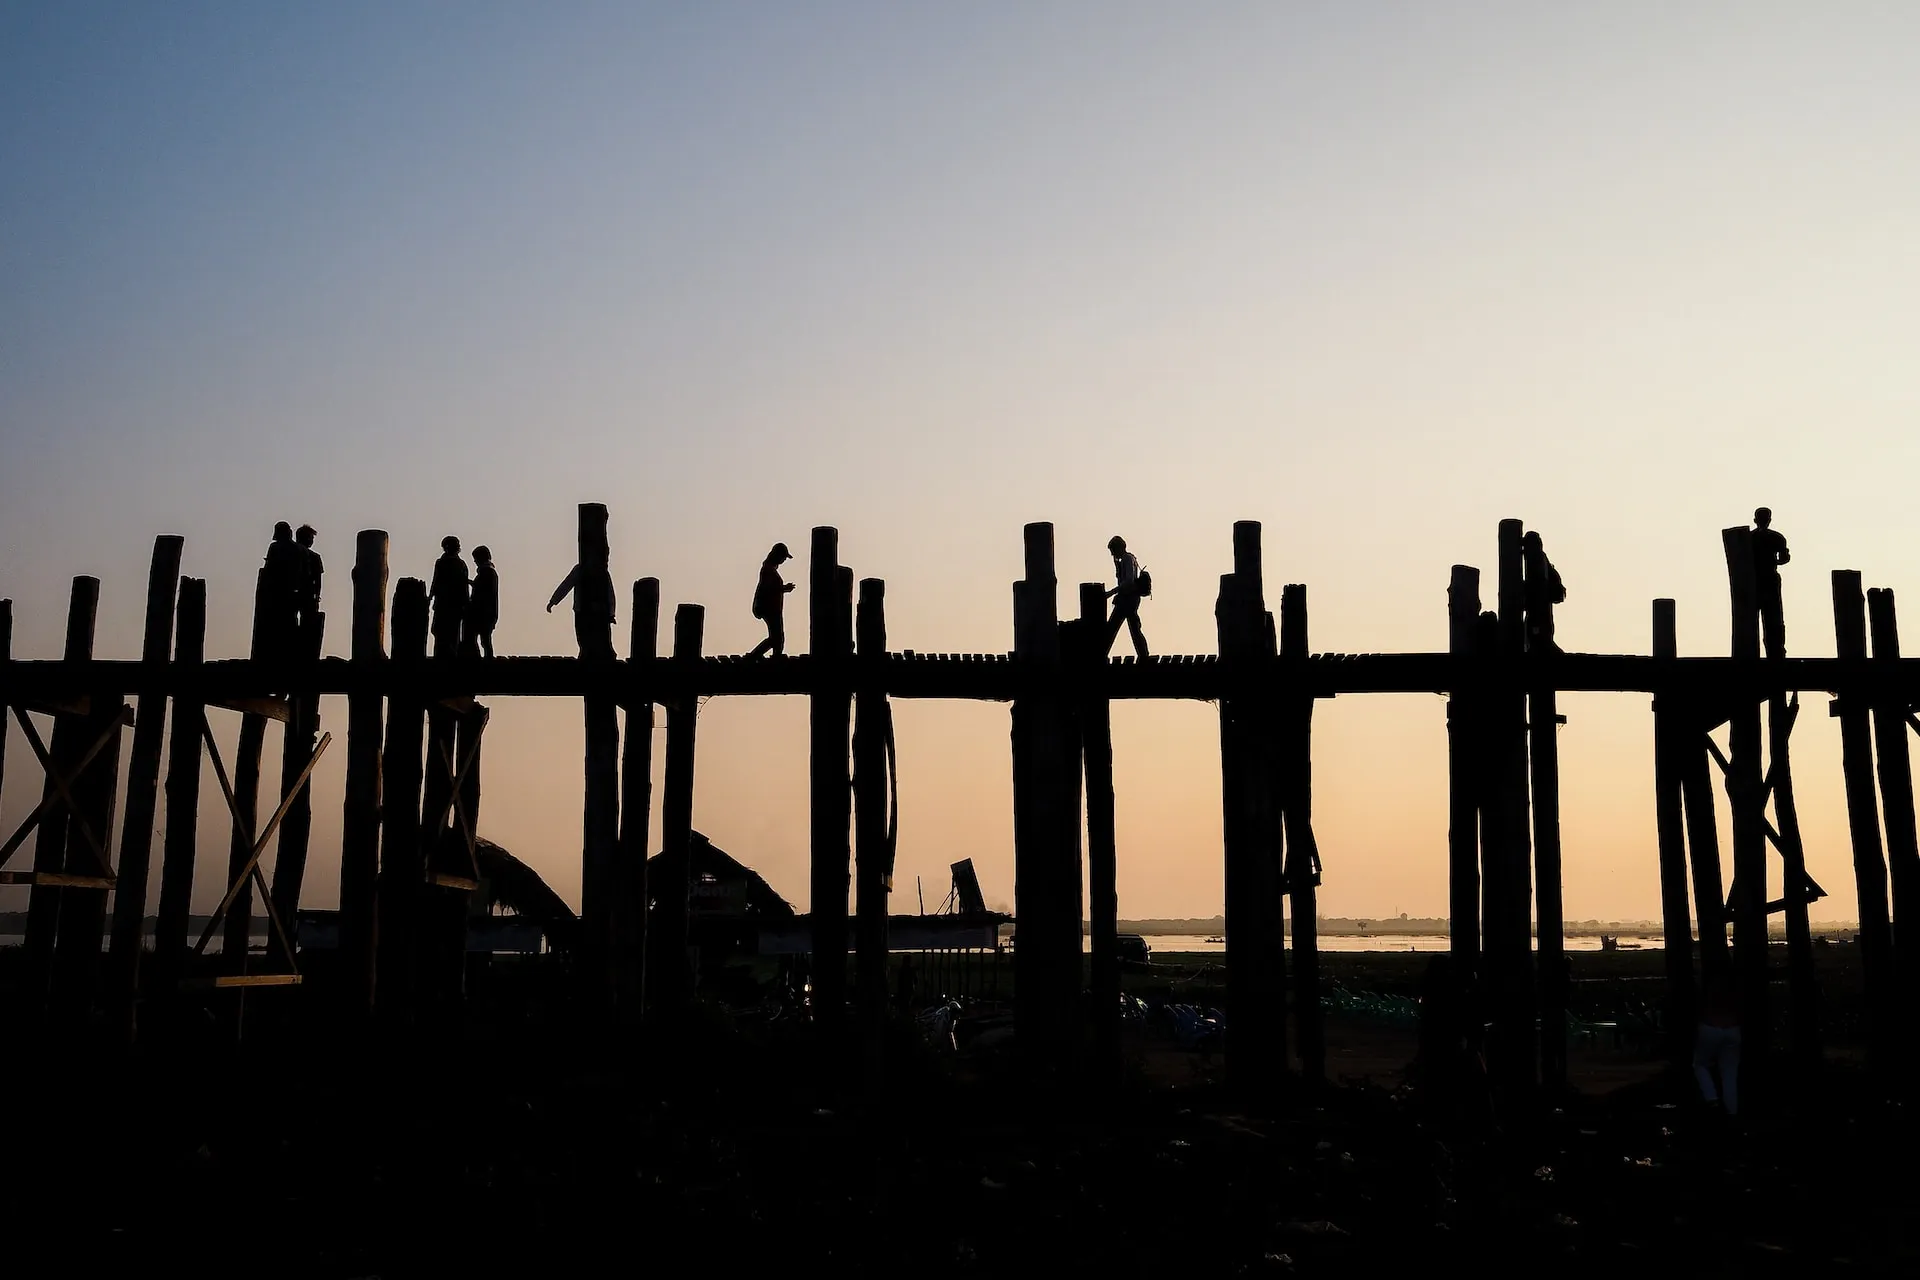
column 829, row 640
column 360, row 815
column 1543, row 727
column 402, row 865
column 1047, row 952
column 1103, row 893
column 1465, row 766
column 873, row 859
column 1863, row 825
column 1803, row 993
column 600, row 817
column 670, row 921
column 636, row 806
column 1302, row 850
column 1509, row 930
column 1670, row 728
column 238, row 938
column 50, row 839
column 143, row 785
column 1747, row 800
column 1256, row 955
column 83, row 911
column 296, row 829
column 183, row 790
column 1896, row 800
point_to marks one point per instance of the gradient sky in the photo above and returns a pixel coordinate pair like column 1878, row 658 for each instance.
column 1375, row 274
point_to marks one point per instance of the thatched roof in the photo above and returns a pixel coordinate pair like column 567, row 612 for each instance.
column 707, row 858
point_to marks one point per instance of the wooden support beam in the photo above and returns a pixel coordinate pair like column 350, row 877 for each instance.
column 1746, row 803
column 1884, row 1022
column 1250, row 826
column 402, row 866
column 1896, row 803
column 1543, row 755
column 676, row 827
column 1302, row 869
column 829, row 640
column 1465, row 751
column 360, row 816
column 183, row 794
column 636, row 809
column 1803, row 993
column 1512, row 1060
column 296, row 748
column 1669, row 738
column 143, row 789
column 50, row 843
column 1103, row 893
column 600, row 807
column 456, row 867
column 873, row 858
column 246, row 786
column 1047, row 955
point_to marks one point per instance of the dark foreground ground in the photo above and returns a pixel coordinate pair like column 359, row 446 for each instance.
column 727, row 1144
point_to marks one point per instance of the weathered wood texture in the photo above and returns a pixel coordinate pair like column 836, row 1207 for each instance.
column 360, row 815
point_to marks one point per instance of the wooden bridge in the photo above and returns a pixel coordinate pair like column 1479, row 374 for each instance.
column 414, row 729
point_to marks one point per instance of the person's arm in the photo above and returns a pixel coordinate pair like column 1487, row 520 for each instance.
column 560, row 592
column 1785, row 555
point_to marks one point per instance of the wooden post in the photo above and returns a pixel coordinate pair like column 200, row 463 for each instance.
column 238, row 938
column 872, row 858
column 1256, row 956
column 6, row 655
column 1803, row 994
column 1863, row 825
column 1103, row 892
column 1512, row 1058
column 1464, row 767
column 1302, row 850
column 451, row 906
column 296, row 749
column 636, row 809
column 676, row 820
column 360, row 817
column 183, row 791
column 83, row 912
column 50, row 840
column 1047, row 956
column 600, row 819
column 143, row 786
column 1669, row 736
column 1747, row 801
column 831, row 801
column 1703, row 842
column 1896, row 799
column 1543, row 728
column 402, row 868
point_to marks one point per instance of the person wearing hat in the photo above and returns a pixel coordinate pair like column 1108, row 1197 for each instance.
column 1126, row 595
column 769, row 602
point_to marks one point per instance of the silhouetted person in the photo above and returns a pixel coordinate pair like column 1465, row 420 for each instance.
column 769, row 602
column 1769, row 553
column 1126, row 596
column 448, row 595
column 593, row 612
column 311, row 571
column 1542, row 595
column 1716, row 1044
column 483, row 607
column 280, row 592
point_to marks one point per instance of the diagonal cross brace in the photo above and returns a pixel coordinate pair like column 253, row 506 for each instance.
column 455, row 801
column 252, row 868
column 62, row 795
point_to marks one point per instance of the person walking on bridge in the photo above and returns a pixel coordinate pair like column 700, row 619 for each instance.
column 769, row 602
column 591, row 586
column 1130, row 587
column 448, row 594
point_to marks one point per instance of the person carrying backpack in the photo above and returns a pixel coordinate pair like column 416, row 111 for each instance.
column 1131, row 587
column 769, row 602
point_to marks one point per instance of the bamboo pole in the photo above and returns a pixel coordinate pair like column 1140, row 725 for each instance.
column 1669, row 729
column 636, row 808
column 360, row 817
column 829, row 639
column 1863, row 826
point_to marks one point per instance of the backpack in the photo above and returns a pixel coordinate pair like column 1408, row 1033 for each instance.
column 1145, row 583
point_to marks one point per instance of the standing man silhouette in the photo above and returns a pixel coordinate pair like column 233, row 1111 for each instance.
column 1126, row 596
column 769, row 602
column 311, row 570
column 483, row 608
column 281, row 591
column 593, row 612
column 449, row 597
column 1769, row 553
